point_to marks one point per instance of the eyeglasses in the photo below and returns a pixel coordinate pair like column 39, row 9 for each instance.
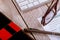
column 53, row 6
column 50, row 13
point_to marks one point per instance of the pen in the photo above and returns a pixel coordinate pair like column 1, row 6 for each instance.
column 41, row 31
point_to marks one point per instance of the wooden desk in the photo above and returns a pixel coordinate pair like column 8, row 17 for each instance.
column 30, row 17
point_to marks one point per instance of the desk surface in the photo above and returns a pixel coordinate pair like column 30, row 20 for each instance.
column 30, row 17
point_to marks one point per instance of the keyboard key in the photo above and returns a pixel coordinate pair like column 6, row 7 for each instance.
column 30, row 5
column 31, row 1
column 41, row 1
column 23, row 7
column 23, row 3
column 19, row 1
column 36, row 3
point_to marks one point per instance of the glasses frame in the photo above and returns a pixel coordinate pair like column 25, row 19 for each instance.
column 18, row 9
column 50, row 8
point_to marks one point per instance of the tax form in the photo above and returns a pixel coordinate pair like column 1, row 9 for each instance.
column 53, row 26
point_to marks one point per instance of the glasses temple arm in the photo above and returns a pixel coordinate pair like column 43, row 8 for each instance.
column 49, row 9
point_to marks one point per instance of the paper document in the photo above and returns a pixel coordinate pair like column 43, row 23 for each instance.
column 53, row 26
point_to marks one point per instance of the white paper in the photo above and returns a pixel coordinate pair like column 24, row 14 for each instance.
column 53, row 26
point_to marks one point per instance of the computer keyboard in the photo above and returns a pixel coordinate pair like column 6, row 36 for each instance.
column 26, row 5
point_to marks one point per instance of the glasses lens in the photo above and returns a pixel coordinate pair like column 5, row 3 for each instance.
column 49, row 17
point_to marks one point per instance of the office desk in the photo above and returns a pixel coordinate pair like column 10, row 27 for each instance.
column 30, row 17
